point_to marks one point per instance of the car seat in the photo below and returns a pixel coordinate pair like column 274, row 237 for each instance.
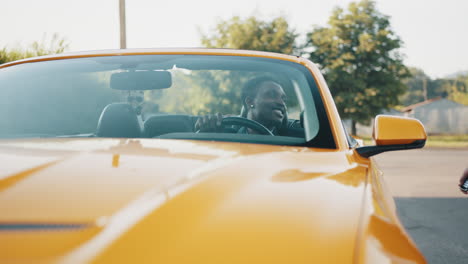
column 163, row 124
column 119, row 120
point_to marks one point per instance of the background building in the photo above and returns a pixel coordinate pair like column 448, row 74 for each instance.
column 439, row 116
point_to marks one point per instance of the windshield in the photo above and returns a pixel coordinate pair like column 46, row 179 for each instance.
column 164, row 96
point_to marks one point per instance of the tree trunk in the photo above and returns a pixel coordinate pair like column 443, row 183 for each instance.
column 353, row 128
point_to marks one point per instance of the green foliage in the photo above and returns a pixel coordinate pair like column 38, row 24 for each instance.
column 221, row 90
column 359, row 55
column 459, row 91
column 421, row 87
column 461, row 98
column 253, row 34
column 415, row 83
column 53, row 46
column 201, row 92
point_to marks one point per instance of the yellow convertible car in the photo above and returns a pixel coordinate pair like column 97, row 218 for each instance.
column 190, row 156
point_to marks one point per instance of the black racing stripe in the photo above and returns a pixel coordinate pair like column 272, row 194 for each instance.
column 39, row 226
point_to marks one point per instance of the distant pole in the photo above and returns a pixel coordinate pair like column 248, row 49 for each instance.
column 425, row 88
column 123, row 32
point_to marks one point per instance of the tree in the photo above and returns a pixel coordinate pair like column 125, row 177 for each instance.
column 459, row 89
column 418, row 85
column 359, row 55
column 55, row 45
column 421, row 87
column 208, row 87
column 253, row 34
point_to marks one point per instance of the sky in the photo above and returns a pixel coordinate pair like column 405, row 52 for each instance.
column 434, row 32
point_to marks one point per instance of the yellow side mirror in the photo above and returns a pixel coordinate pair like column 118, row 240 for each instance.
column 395, row 130
column 395, row 133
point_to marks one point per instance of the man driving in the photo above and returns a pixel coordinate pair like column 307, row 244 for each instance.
column 263, row 101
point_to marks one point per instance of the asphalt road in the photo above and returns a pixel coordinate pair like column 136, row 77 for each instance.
column 429, row 203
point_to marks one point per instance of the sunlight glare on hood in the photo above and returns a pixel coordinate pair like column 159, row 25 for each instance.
column 13, row 164
column 66, row 145
column 178, row 146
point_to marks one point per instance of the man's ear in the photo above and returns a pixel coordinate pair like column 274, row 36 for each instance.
column 248, row 101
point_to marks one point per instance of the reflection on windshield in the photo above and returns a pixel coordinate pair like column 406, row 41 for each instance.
column 67, row 97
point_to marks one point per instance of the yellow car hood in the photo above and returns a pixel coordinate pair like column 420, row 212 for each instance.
column 171, row 201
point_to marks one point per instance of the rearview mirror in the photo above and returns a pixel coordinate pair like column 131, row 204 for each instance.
column 395, row 133
column 141, row 80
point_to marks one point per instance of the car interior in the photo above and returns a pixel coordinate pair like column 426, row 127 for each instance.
column 106, row 97
column 121, row 120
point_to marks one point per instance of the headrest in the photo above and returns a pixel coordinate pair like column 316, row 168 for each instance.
column 119, row 120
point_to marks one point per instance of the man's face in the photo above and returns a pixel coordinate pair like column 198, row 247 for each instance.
column 269, row 107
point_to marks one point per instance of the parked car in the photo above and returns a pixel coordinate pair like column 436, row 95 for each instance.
column 190, row 156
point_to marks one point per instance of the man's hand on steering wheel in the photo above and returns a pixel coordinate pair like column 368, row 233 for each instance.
column 218, row 123
column 209, row 123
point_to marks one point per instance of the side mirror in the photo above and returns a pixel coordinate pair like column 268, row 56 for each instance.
column 395, row 133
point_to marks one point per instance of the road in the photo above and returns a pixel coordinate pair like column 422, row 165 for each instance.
column 429, row 203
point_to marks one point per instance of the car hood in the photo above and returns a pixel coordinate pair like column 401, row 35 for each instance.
column 150, row 200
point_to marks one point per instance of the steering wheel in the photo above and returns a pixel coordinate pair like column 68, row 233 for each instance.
column 241, row 121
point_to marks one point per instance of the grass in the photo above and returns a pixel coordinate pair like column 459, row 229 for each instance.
column 436, row 141
column 448, row 141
